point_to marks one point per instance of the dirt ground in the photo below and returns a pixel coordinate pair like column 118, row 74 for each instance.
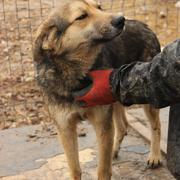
column 21, row 102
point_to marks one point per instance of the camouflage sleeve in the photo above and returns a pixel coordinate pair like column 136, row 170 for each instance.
column 156, row 82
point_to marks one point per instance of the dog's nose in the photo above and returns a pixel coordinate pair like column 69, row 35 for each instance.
column 118, row 22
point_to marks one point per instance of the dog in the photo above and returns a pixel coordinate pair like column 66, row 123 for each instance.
column 78, row 36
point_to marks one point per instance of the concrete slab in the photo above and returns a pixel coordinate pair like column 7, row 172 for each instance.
column 27, row 148
column 32, row 153
column 129, row 166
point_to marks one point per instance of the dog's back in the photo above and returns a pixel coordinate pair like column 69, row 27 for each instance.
column 136, row 43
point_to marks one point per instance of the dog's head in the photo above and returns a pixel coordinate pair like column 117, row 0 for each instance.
column 77, row 30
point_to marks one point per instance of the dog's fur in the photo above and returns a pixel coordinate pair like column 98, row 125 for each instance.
column 67, row 46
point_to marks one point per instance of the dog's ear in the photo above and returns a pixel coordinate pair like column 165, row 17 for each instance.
column 48, row 38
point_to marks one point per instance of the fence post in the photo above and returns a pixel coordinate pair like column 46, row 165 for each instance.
column 173, row 148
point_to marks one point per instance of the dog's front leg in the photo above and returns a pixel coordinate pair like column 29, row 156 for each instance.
column 120, row 126
column 101, row 118
column 66, row 123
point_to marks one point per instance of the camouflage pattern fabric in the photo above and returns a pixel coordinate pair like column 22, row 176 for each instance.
column 156, row 82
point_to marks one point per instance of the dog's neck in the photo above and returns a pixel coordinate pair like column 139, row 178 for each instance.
column 64, row 74
column 79, row 62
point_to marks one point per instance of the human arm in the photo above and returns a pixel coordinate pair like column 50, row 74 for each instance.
column 156, row 82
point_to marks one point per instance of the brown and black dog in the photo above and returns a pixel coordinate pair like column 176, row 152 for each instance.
column 79, row 36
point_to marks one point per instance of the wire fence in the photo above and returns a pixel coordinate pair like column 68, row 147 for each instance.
column 20, row 99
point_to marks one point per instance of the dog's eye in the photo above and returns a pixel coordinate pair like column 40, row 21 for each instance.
column 82, row 17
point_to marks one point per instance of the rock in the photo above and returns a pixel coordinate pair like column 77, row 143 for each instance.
column 3, row 42
column 32, row 135
column 162, row 14
column 5, row 50
column 177, row 4
column 28, row 79
column 120, row 13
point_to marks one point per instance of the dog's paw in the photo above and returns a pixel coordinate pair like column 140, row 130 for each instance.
column 154, row 161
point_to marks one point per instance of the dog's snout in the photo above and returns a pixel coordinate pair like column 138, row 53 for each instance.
column 118, row 22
